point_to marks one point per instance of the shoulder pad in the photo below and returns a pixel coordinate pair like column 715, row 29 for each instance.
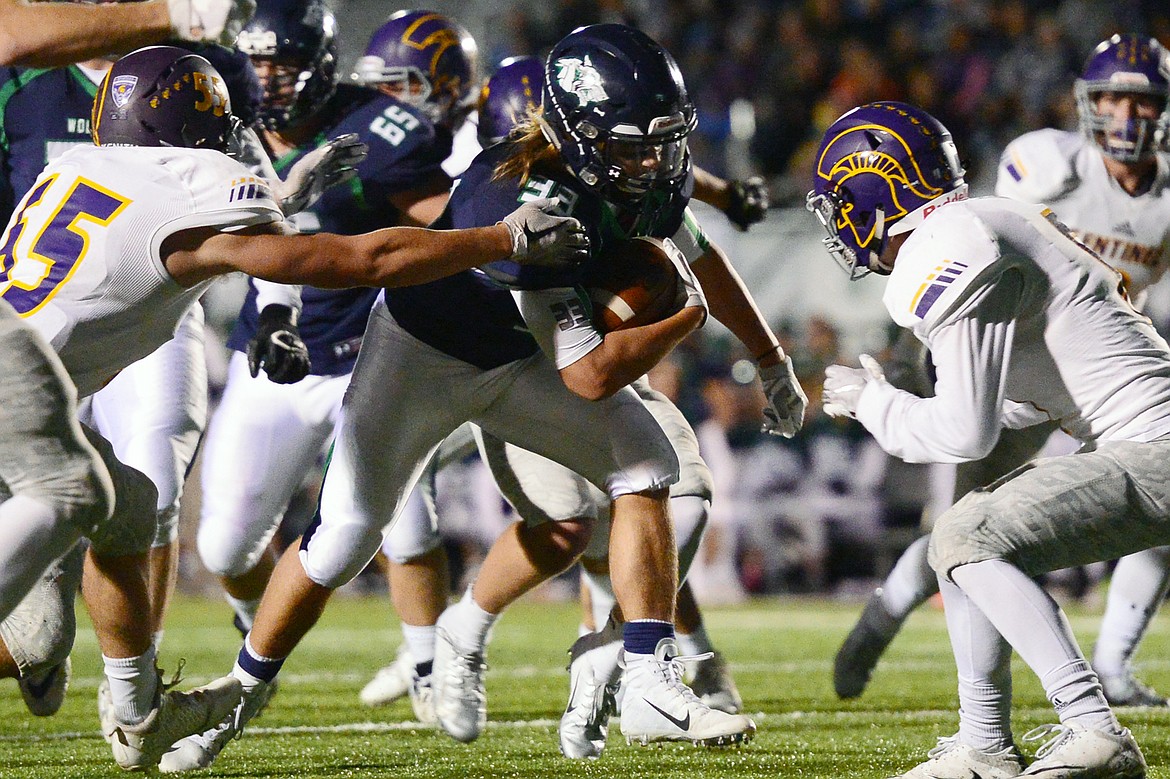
column 1039, row 166
column 941, row 265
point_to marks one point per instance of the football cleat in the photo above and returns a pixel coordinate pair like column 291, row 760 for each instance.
column 713, row 684
column 139, row 747
column 594, row 671
column 457, row 682
column 44, row 693
column 1125, row 690
column 952, row 760
column 863, row 647
column 657, row 706
column 199, row 750
column 1082, row 753
column 422, row 699
column 390, row 683
column 105, row 706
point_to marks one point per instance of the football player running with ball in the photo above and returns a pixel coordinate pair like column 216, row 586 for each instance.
column 517, row 353
column 1111, row 186
column 1025, row 327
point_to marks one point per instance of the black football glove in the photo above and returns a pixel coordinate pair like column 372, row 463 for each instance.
column 749, row 202
column 277, row 347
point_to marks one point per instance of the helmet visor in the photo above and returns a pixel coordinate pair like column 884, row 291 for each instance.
column 643, row 161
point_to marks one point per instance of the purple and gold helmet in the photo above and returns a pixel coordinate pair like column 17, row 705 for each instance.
column 508, row 96
column 616, row 107
column 429, row 60
column 880, row 170
column 163, row 96
column 1125, row 64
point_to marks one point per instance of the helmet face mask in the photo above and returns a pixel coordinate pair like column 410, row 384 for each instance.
column 1126, row 66
column 881, row 169
column 293, row 44
column 425, row 60
column 616, row 108
column 163, row 96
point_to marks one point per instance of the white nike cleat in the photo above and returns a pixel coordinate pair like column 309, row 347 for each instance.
column 863, row 647
column 422, row 699
column 951, row 760
column 1082, row 753
column 457, row 681
column 657, row 706
column 391, row 682
column 200, row 749
column 139, row 747
column 594, row 670
column 713, row 684
column 44, row 693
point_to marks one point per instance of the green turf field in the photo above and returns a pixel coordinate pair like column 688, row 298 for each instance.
column 780, row 651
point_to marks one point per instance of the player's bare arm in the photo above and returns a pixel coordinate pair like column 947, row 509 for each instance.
column 393, row 257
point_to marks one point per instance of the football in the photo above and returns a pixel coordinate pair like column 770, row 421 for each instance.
column 635, row 284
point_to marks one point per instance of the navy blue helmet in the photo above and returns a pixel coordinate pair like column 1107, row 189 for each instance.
column 293, row 44
column 428, row 59
column 163, row 96
column 616, row 107
column 508, row 96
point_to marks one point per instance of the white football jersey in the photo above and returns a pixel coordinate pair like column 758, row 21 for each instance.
column 80, row 258
column 1065, row 171
column 1017, row 316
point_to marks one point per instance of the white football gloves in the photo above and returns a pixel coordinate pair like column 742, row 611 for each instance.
column 210, row 21
column 691, row 286
column 332, row 164
column 843, row 386
column 543, row 238
column 784, row 413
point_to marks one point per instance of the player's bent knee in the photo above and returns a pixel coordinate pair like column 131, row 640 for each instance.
column 132, row 527
column 332, row 556
column 403, row 545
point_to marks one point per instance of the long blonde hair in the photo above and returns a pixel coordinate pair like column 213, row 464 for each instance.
column 531, row 148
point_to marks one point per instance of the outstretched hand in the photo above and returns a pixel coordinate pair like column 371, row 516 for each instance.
column 210, row 21
column 844, row 385
column 277, row 347
column 540, row 237
column 749, row 202
column 332, row 164
column 784, row 413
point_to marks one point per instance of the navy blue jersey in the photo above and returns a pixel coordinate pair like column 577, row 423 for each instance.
column 43, row 113
column 406, row 151
column 470, row 317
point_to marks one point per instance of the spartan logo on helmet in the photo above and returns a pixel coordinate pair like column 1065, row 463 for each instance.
column 581, row 78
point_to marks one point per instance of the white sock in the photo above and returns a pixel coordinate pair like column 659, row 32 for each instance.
column 156, row 640
column 910, row 583
column 133, row 686
column 1031, row 621
column 983, row 661
column 691, row 644
column 245, row 609
column 1135, row 593
column 420, row 641
column 468, row 624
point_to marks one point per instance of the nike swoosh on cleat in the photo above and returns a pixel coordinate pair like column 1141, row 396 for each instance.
column 681, row 724
column 39, row 690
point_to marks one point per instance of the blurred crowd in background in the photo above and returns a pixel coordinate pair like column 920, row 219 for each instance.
column 826, row 511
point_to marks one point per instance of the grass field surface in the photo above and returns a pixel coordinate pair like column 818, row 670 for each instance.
column 780, row 650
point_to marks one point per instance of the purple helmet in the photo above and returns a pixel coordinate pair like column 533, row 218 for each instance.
column 429, row 59
column 881, row 169
column 508, row 96
column 617, row 109
column 293, row 44
column 162, row 96
column 1125, row 64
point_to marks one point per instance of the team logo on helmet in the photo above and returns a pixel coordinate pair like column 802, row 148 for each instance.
column 121, row 88
column 581, row 78
column 442, row 38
